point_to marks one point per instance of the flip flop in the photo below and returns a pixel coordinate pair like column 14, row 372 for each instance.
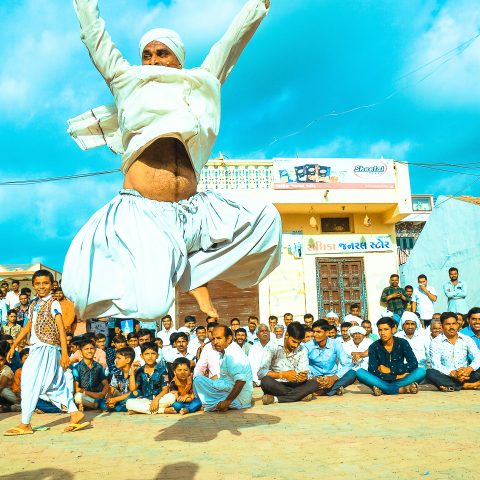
column 75, row 427
column 14, row 432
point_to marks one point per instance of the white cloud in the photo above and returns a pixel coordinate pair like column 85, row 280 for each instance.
column 458, row 81
column 386, row 149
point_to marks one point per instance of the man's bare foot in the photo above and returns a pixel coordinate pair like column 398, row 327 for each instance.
column 183, row 411
column 409, row 389
column 22, row 429
column 170, row 410
column 471, row 386
column 202, row 296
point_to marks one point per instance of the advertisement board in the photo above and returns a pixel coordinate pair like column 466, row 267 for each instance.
column 330, row 173
column 345, row 244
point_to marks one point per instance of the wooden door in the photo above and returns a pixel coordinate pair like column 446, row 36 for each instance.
column 229, row 301
column 340, row 282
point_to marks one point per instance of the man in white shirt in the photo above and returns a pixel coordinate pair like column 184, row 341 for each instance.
column 423, row 298
column 357, row 347
column 412, row 331
column 13, row 296
column 256, row 351
column 252, row 329
column 167, row 329
column 208, row 364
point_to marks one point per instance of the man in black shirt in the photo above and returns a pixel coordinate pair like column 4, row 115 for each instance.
column 392, row 365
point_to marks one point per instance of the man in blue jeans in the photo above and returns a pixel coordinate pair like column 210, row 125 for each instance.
column 328, row 363
column 392, row 365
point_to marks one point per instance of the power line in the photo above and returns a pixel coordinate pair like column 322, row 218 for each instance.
column 56, row 179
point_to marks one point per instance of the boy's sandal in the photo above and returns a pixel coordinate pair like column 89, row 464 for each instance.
column 75, row 427
column 13, row 432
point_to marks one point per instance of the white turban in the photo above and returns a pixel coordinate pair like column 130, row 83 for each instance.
column 169, row 38
column 331, row 314
column 356, row 329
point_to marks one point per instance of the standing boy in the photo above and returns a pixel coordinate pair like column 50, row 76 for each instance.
column 43, row 371
column 11, row 328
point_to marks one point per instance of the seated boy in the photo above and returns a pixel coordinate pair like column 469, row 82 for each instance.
column 6, row 381
column 99, row 356
column 101, row 341
column 118, row 342
column 182, row 387
column 12, row 327
column 90, row 383
column 150, row 381
column 132, row 340
column 18, row 374
column 119, row 390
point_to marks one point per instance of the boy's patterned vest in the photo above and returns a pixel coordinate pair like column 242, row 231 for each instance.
column 45, row 326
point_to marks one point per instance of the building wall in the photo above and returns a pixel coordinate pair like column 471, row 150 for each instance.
column 450, row 238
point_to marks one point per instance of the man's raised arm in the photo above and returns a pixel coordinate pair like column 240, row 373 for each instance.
column 105, row 55
column 224, row 54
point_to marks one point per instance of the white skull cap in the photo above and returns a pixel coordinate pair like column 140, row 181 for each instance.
column 168, row 37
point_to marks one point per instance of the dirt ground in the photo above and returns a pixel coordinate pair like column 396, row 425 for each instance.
column 430, row 435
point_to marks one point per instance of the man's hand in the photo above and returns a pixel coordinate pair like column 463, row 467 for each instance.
column 326, row 382
column 222, row 406
column 184, row 398
column 154, row 405
column 301, row 377
column 356, row 356
column 290, row 375
column 464, row 373
column 64, row 361
column 10, row 355
column 383, row 369
column 111, row 402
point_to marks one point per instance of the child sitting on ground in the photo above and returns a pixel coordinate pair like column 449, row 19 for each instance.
column 100, row 356
column 18, row 374
column 181, row 387
column 90, row 382
column 150, row 381
column 132, row 340
column 119, row 390
column 101, row 341
column 118, row 342
column 6, row 381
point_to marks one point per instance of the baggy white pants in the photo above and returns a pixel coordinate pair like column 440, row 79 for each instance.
column 142, row 405
column 157, row 245
column 42, row 374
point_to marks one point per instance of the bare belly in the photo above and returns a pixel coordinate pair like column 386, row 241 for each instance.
column 163, row 172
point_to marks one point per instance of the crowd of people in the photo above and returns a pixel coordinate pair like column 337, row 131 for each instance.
column 124, row 365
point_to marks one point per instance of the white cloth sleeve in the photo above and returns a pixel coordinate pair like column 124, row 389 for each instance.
column 224, row 54
column 56, row 309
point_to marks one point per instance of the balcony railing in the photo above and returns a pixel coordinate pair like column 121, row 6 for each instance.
column 237, row 175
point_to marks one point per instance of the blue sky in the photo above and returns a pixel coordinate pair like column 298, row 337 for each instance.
column 309, row 58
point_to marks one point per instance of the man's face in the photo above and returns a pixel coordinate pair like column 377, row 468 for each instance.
column 157, row 53
column 167, row 323
column 235, row 325
column 159, row 342
column 15, row 287
column 263, row 334
column 144, row 339
column 42, row 286
column 332, row 333
column 291, row 343
column 450, row 327
column 344, row 332
column 409, row 291
column 201, row 334
column 409, row 327
column 240, row 338
column 287, row 319
column 278, row 331
column 357, row 338
column 474, row 322
column 210, row 333
column 12, row 318
column 308, row 337
column 181, row 345
column 394, row 281
column 220, row 342
column 101, row 342
column 190, row 325
column 367, row 327
column 271, row 323
column 88, row 352
column 332, row 320
column 132, row 342
column 436, row 316
column 252, row 325
column 385, row 332
column 308, row 321
column 150, row 356
column 55, row 284
column 355, row 311
column 435, row 329
column 422, row 282
column 319, row 335
column 453, row 275
column 59, row 295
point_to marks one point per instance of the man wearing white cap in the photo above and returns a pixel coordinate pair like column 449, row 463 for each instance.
column 159, row 232
column 357, row 347
column 410, row 328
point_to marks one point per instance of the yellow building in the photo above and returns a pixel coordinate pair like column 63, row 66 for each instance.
column 339, row 244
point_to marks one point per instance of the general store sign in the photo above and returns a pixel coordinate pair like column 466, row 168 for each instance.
column 327, row 173
column 347, row 244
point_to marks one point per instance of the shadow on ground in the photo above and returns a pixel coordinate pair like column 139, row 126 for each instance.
column 177, row 471
column 205, row 427
column 40, row 474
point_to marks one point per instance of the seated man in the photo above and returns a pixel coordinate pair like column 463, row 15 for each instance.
column 412, row 331
column 308, row 334
column 208, row 362
column 344, row 326
column 392, row 365
column 328, row 362
column 279, row 332
column 283, row 372
column 179, row 350
column 454, row 358
column 234, row 387
column 241, row 338
column 357, row 347
column 256, row 351
column 473, row 329
column 367, row 325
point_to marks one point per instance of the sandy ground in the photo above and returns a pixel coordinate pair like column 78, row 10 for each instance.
column 430, row 435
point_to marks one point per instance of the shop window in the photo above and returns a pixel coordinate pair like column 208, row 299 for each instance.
column 405, row 243
column 335, row 225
